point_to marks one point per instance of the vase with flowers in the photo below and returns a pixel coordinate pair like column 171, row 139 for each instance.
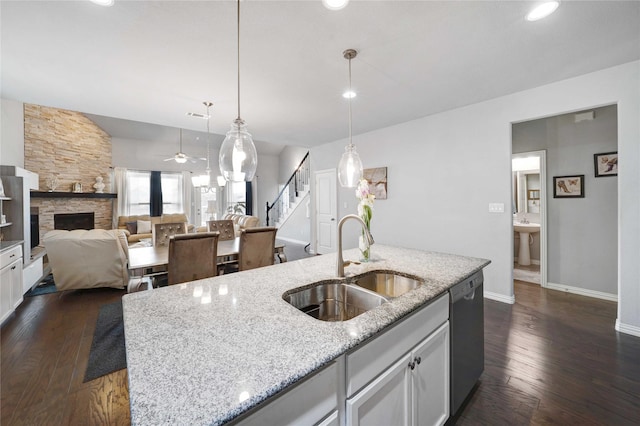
column 365, row 211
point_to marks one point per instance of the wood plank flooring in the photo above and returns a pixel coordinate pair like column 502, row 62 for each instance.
column 550, row 359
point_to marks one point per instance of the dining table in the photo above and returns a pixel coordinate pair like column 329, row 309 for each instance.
column 144, row 258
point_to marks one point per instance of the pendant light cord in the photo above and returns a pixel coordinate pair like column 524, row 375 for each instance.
column 208, row 104
column 238, row 59
column 350, row 96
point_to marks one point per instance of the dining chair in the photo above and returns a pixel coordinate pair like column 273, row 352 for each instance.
column 257, row 247
column 192, row 257
column 224, row 227
column 162, row 231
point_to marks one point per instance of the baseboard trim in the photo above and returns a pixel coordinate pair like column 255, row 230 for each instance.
column 583, row 291
column 533, row 261
column 292, row 240
column 500, row 297
column 627, row 329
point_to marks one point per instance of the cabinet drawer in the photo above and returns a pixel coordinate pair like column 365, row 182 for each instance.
column 31, row 274
column 365, row 363
column 9, row 256
column 306, row 403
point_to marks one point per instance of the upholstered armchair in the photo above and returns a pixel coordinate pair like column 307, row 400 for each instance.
column 88, row 259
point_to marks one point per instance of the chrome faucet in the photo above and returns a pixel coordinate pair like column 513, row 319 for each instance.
column 341, row 263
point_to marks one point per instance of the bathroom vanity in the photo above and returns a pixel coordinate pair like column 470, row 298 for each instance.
column 231, row 349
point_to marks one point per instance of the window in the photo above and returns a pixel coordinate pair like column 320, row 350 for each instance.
column 172, row 193
column 236, row 201
column 139, row 192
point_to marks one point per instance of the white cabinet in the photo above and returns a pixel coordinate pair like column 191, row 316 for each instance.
column 430, row 379
column 10, row 281
column 411, row 389
column 314, row 401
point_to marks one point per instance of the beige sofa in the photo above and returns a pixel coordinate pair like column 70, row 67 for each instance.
column 88, row 259
column 134, row 237
column 240, row 222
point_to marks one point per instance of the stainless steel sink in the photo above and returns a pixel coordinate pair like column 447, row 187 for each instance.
column 387, row 284
column 333, row 300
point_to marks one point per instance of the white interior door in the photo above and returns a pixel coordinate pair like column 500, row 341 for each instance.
column 326, row 208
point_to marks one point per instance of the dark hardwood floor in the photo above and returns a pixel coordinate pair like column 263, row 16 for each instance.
column 551, row 358
column 45, row 348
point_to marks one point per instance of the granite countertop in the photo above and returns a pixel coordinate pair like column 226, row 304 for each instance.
column 206, row 351
column 6, row 245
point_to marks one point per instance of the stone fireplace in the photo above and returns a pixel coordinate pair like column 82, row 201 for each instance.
column 69, row 147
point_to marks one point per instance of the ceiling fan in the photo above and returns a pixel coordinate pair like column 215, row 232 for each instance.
column 181, row 157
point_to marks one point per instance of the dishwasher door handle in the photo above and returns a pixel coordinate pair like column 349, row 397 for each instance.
column 470, row 295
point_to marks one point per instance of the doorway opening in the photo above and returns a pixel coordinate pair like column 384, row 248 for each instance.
column 529, row 208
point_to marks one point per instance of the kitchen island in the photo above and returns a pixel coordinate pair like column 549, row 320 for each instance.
column 209, row 351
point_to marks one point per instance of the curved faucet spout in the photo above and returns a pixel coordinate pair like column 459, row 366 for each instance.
column 340, row 262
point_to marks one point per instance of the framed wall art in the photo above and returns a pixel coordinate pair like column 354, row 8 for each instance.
column 571, row 186
column 377, row 179
column 606, row 164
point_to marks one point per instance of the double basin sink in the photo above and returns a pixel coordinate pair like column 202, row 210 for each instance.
column 339, row 300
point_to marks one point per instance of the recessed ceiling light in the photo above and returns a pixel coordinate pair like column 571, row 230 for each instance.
column 334, row 4
column 103, row 2
column 349, row 94
column 543, row 10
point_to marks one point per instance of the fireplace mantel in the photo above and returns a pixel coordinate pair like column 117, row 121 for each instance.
column 60, row 194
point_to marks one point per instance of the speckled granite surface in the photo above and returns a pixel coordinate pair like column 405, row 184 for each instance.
column 8, row 244
column 206, row 351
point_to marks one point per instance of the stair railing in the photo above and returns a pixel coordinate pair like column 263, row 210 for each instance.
column 299, row 178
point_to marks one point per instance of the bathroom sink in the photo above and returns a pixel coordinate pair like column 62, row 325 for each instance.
column 333, row 300
column 387, row 284
column 530, row 228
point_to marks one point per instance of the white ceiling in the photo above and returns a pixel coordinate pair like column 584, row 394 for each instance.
column 153, row 61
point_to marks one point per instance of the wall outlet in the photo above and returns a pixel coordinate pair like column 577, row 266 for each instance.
column 496, row 207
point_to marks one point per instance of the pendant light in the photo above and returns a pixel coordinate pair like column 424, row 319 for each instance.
column 238, row 157
column 350, row 166
column 204, row 181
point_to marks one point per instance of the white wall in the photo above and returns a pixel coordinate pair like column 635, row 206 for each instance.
column 297, row 228
column 444, row 170
column 12, row 133
column 290, row 158
column 266, row 185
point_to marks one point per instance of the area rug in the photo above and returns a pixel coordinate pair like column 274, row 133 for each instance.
column 528, row 276
column 107, row 349
column 46, row 286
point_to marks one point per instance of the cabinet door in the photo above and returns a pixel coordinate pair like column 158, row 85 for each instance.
column 16, row 283
column 5, row 291
column 430, row 377
column 385, row 401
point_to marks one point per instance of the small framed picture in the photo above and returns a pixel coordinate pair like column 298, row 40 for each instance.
column 606, row 164
column 571, row 186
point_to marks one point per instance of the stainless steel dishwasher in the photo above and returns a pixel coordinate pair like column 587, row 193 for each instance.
column 467, row 337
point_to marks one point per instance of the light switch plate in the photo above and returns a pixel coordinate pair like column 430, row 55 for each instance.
column 496, row 207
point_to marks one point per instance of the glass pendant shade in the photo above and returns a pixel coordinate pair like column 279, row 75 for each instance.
column 238, row 157
column 350, row 167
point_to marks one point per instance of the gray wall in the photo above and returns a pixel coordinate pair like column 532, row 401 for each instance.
column 582, row 232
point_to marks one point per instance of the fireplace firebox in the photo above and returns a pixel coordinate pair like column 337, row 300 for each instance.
column 71, row 221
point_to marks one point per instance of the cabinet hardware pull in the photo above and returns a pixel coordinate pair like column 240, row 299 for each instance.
column 412, row 365
column 14, row 267
column 418, row 360
column 13, row 255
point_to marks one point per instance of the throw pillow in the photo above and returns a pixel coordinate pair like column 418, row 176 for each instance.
column 132, row 227
column 144, row 227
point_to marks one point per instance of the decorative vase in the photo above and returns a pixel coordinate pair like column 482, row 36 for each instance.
column 365, row 248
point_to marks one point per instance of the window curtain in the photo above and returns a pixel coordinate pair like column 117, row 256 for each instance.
column 187, row 196
column 249, row 198
column 121, row 206
column 155, row 200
